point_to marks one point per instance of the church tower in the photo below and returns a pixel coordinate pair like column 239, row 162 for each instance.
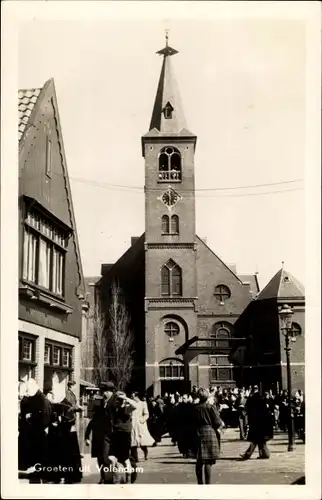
column 170, row 237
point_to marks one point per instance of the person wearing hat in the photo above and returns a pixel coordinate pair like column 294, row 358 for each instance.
column 260, row 425
column 100, row 427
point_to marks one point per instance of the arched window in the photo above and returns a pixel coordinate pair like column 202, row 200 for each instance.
column 174, row 224
column 171, row 369
column 165, row 224
column 171, row 279
column 221, row 333
column 165, row 281
column 222, row 293
column 169, row 165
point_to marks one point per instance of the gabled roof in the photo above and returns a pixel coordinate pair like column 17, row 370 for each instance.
column 223, row 263
column 168, row 95
column 29, row 101
column 282, row 286
column 252, row 280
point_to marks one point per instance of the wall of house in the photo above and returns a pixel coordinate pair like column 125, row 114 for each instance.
column 51, row 192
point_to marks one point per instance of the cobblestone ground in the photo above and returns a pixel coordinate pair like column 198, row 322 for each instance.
column 166, row 466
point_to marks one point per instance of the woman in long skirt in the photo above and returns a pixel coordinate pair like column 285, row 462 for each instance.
column 207, row 421
column 140, row 436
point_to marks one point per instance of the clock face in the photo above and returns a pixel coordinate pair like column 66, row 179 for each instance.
column 170, row 197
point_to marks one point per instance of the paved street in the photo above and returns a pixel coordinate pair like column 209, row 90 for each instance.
column 166, row 466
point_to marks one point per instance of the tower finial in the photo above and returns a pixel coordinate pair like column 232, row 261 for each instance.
column 282, row 264
column 167, row 51
column 166, row 37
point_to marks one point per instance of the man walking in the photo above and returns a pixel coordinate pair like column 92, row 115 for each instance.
column 101, row 427
column 242, row 414
column 260, row 426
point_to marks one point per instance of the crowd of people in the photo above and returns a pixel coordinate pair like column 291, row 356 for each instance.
column 120, row 426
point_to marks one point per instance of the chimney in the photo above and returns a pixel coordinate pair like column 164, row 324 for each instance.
column 134, row 239
column 105, row 268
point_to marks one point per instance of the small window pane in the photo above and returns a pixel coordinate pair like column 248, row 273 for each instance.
column 47, row 354
column 165, row 281
column 27, row 350
column 56, row 355
column 66, row 357
column 162, row 371
column 176, row 281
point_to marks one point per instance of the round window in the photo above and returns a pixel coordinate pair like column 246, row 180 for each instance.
column 171, row 329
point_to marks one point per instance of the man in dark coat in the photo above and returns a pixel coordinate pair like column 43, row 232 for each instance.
column 260, row 425
column 35, row 417
column 184, row 422
column 101, row 427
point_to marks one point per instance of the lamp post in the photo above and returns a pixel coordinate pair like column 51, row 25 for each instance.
column 285, row 314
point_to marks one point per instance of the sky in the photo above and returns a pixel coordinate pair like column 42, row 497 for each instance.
column 243, row 88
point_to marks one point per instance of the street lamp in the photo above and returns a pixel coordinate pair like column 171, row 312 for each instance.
column 285, row 314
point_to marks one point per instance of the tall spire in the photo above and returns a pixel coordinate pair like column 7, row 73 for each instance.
column 167, row 115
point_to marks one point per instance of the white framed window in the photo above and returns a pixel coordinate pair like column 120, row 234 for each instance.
column 66, row 357
column 27, row 350
column 56, row 355
column 47, row 354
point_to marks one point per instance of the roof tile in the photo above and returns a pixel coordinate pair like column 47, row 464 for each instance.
column 26, row 103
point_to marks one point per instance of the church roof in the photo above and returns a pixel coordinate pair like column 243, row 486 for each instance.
column 252, row 280
column 282, row 286
column 168, row 98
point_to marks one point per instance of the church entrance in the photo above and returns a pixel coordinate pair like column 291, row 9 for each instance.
column 172, row 376
column 173, row 386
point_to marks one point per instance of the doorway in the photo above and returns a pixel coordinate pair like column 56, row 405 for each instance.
column 173, row 386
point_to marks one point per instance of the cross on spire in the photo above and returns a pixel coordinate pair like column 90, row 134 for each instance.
column 167, row 51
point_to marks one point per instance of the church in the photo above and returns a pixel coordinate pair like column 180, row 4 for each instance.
column 180, row 295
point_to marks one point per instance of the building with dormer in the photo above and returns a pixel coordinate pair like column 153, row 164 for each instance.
column 51, row 285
